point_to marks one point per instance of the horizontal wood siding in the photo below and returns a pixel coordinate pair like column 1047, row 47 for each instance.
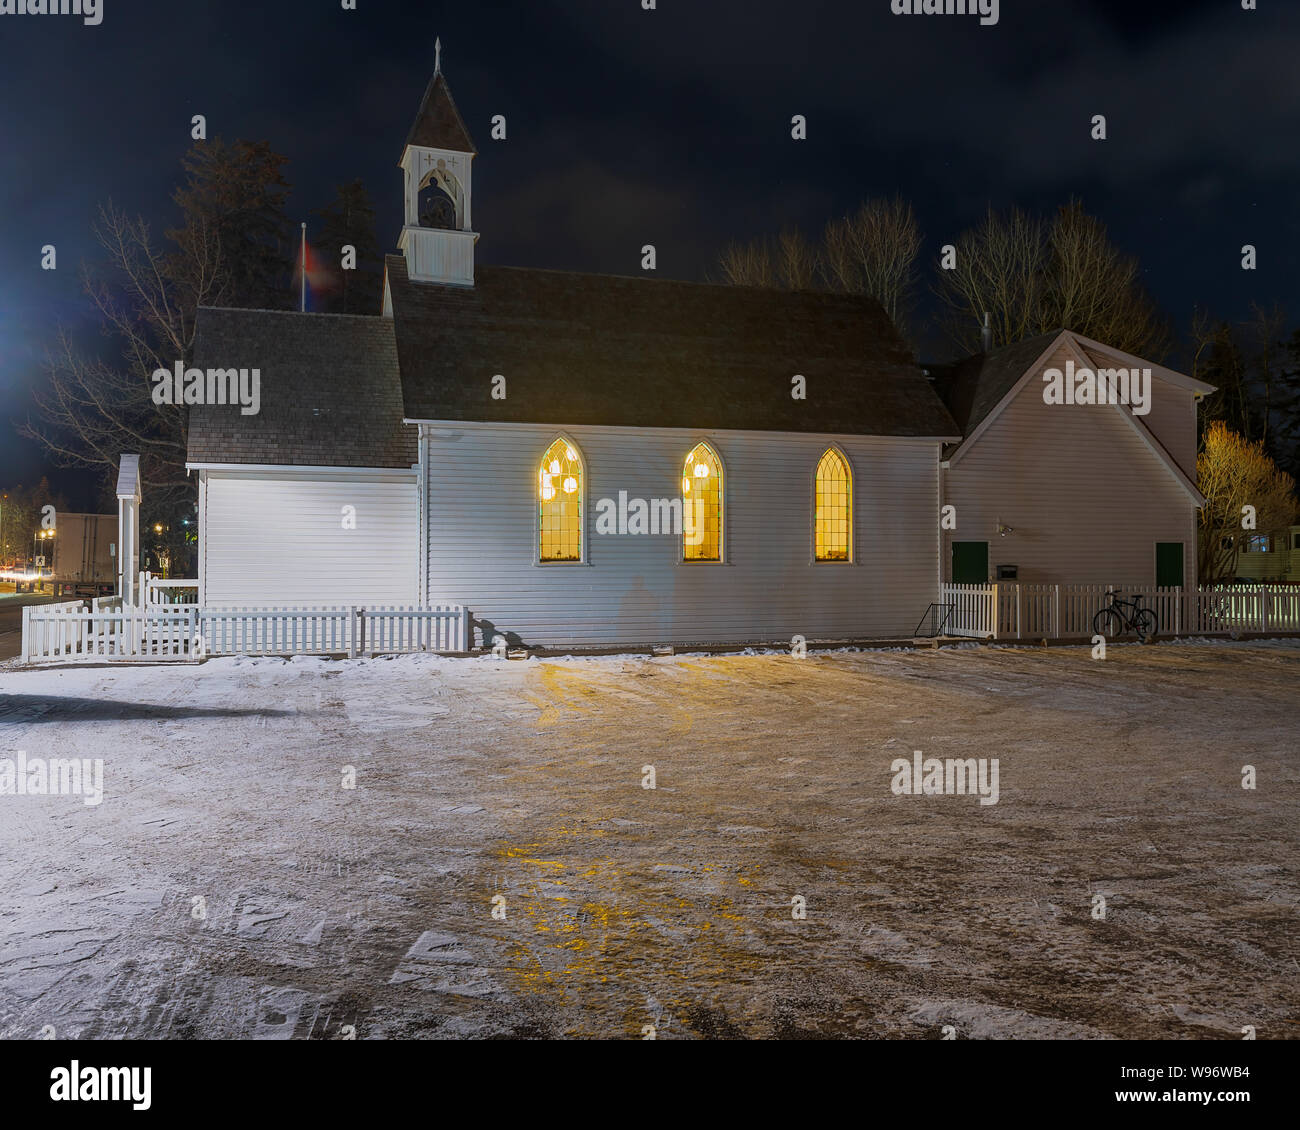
column 482, row 483
column 1172, row 419
column 1086, row 498
column 277, row 539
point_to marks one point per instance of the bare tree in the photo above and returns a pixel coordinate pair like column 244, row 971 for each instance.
column 1033, row 277
column 788, row 262
column 1097, row 290
column 1203, row 332
column 1000, row 270
column 91, row 409
column 748, row 264
column 1234, row 473
column 796, row 260
column 873, row 251
column 1264, row 331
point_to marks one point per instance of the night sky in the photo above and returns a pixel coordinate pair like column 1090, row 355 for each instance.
column 669, row 127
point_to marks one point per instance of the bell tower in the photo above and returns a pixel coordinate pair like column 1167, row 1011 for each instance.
column 437, row 237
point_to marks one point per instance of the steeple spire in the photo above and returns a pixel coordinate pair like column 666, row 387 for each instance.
column 438, row 123
column 438, row 236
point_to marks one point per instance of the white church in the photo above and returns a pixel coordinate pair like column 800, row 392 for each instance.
column 585, row 459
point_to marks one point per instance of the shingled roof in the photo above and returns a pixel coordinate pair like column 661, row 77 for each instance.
column 644, row 352
column 438, row 123
column 974, row 386
column 330, row 391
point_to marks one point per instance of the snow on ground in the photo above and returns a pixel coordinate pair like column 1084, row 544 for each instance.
column 229, row 886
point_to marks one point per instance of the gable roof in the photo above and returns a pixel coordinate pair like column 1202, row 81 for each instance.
column 438, row 124
column 978, row 388
column 330, row 392
column 645, row 352
column 974, row 386
column 1111, row 354
column 1144, row 433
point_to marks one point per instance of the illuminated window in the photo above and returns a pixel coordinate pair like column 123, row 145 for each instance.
column 702, row 505
column 834, row 519
column 559, row 503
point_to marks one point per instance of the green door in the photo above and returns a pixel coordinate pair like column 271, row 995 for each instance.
column 970, row 563
column 1169, row 564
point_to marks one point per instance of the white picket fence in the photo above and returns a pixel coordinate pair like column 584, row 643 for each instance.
column 279, row 631
column 444, row 627
column 168, row 592
column 187, row 633
column 60, row 635
column 972, row 610
column 1034, row 611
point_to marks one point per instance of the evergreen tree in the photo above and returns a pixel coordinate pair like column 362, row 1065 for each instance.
column 238, row 192
column 349, row 220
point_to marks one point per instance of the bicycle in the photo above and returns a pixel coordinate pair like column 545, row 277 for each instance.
column 1116, row 618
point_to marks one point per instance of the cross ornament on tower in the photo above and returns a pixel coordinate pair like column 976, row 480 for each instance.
column 437, row 56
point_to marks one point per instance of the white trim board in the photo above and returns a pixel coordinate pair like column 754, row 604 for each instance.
column 289, row 470
column 461, row 425
column 1130, row 361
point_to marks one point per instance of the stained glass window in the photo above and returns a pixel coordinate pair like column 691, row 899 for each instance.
column 834, row 518
column 702, row 505
column 559, row 505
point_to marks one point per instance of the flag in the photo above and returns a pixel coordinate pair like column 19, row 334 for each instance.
column 312, row 271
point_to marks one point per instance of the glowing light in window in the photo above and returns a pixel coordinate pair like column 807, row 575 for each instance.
column 834, row 516
column 702, row 513
column 559, row 513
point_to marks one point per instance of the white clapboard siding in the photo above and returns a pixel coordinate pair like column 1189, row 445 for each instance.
column 1172, row 419
column 1086, row 498
column 277, row 539
column 482, row 500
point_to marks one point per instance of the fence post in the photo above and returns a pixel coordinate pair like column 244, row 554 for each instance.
column 361, row 630
column 466, row 630
column 1020, row 605
column 1058, row 631
column 1264, row 598
column 27, row 634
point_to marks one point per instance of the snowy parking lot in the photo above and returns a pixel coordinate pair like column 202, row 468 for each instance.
column 436, row 847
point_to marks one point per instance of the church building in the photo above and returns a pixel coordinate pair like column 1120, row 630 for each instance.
column 584, row 459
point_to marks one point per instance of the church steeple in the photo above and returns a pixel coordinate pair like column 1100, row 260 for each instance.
column 437, row 238
column 438, row 124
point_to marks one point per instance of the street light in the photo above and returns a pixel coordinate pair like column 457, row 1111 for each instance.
column 40, row 536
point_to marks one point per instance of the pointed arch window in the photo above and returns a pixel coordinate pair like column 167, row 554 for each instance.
column 559, row 503
column 833, row 520
column 702, row 495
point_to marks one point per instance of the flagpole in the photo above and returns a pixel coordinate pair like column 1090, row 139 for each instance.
column 303, row 304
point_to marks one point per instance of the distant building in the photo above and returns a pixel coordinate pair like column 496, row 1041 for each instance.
column 1270, row 557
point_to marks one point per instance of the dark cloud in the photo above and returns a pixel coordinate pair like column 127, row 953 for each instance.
column 672, row 127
